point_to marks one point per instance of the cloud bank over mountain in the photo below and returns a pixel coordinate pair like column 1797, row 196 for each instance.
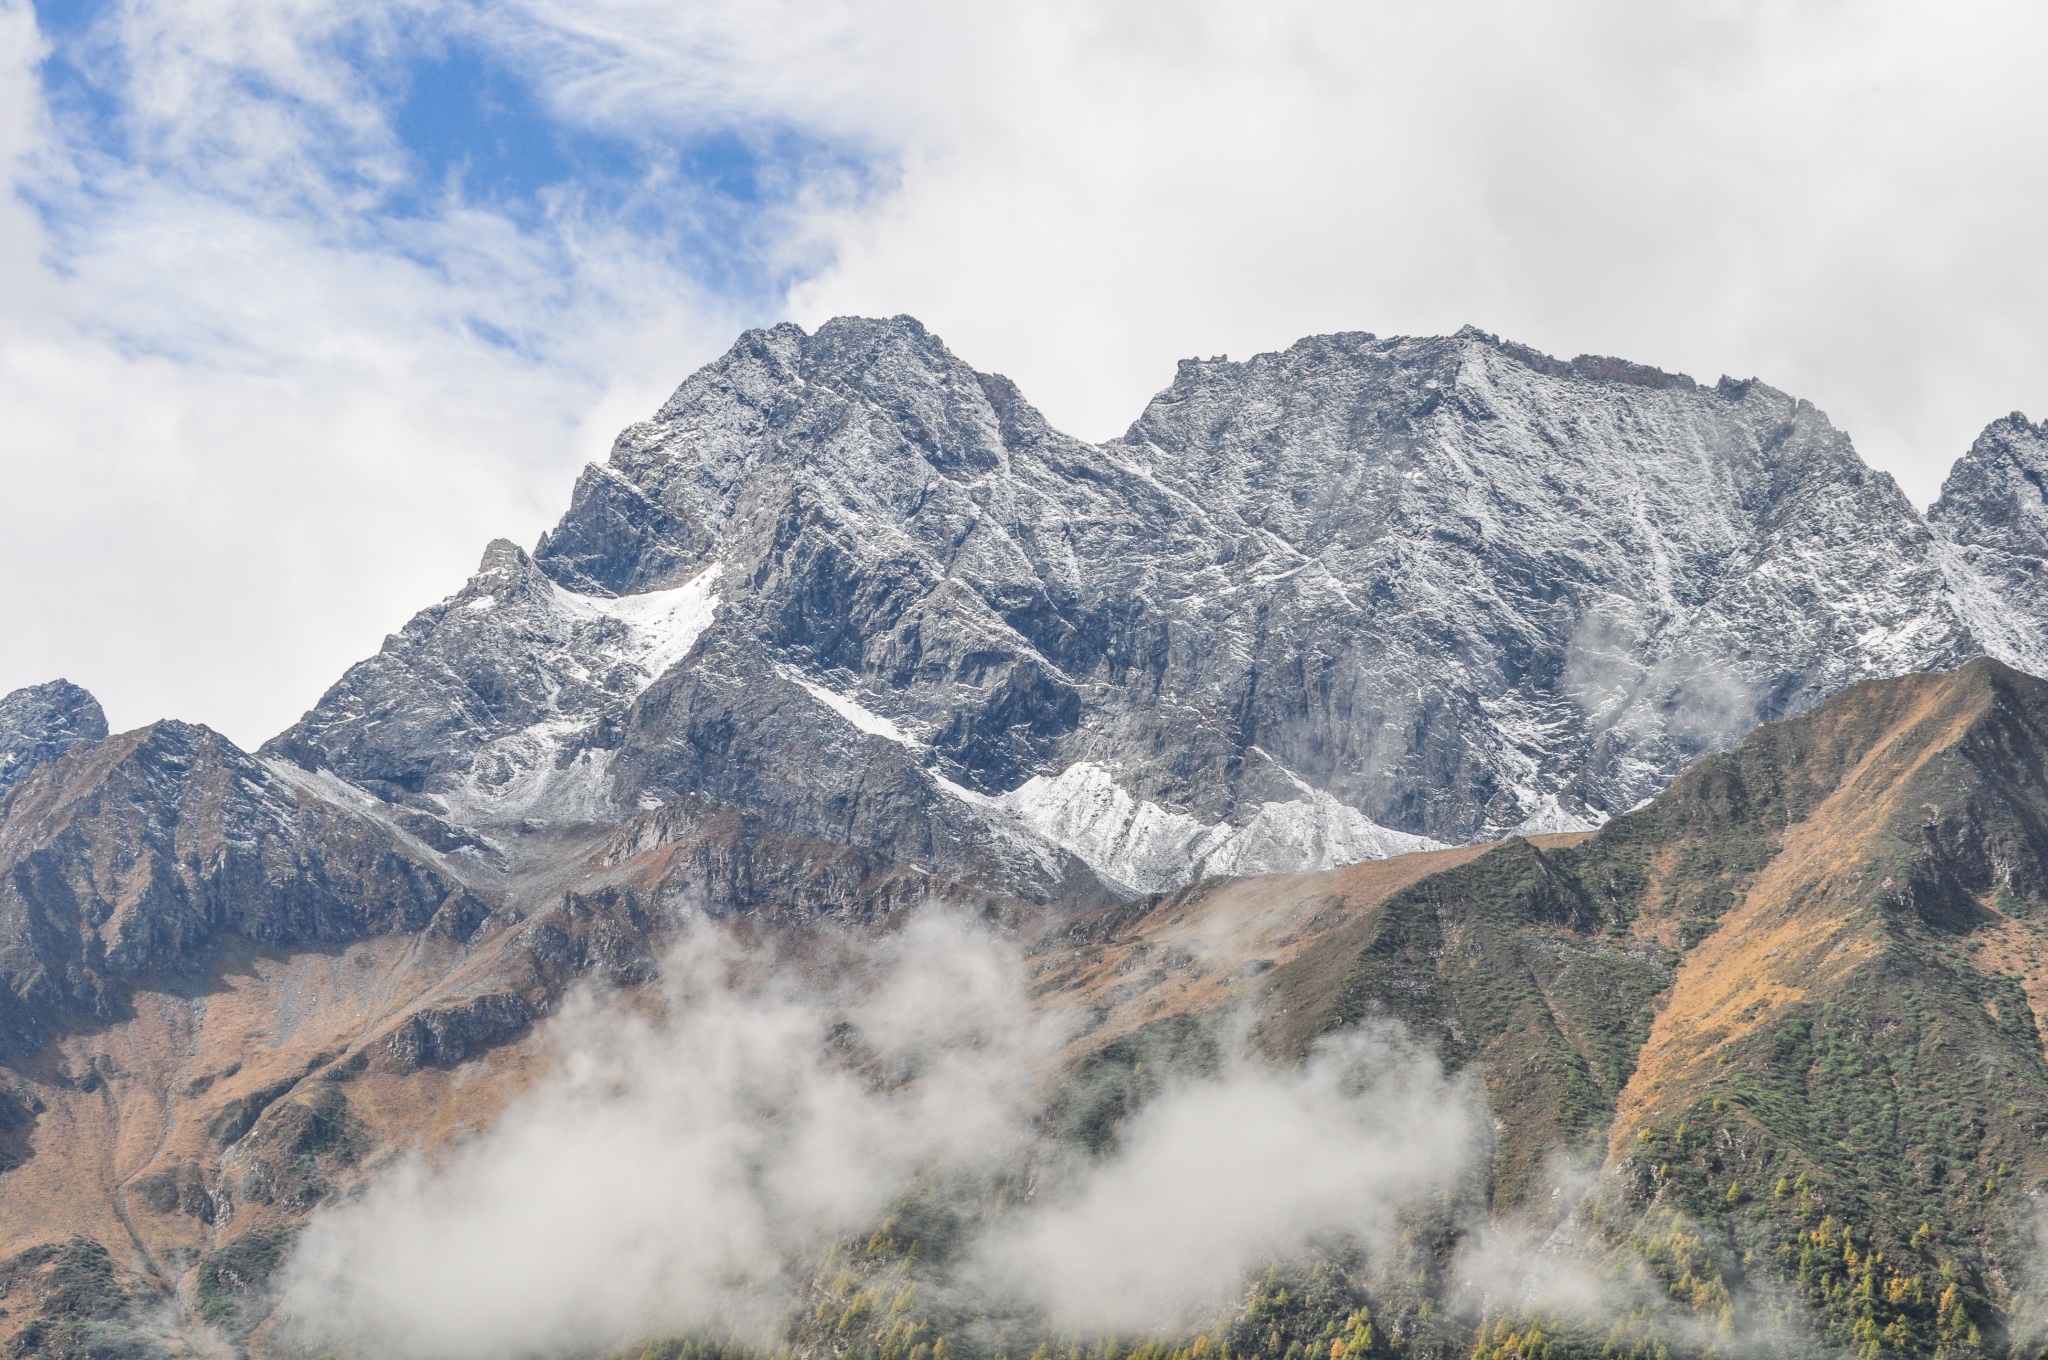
column 683, row 1172
column 340, row 292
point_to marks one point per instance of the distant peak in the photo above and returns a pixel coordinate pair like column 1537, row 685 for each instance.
column 56, row 704
column 854, row 342
column 58, row 691
column 503, row 558
column 41, row 722
column 903, row 323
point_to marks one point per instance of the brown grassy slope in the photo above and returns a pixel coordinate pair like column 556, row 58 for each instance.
column 1917, row 835
column 208, row 1112
column 1767, row 870
column 1859, row 1028
column 1501, row 962
column 1816, row 959
column 188, row 1109
column 1210, row 946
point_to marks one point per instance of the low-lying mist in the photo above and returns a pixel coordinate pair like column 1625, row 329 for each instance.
column 688, row 1157
column 1218, row 1176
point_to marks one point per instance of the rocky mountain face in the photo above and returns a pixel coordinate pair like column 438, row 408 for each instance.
column 1994, row 511
column 848, row 628
column 848, row 595
column 1352, row 599
column 42, row 722
column 135, row 858
column 1793, row 1010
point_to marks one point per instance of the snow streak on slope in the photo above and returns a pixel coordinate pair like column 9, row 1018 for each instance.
column 857, row 716
column 661, row 626
column 1551, row 816
column 1147, row 848
column 612, row 648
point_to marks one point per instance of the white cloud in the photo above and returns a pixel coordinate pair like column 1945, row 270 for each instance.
column 685, row 1173
column 1215, row 1179
column 253, row 421
column 1834, row 198
column 1837, row 198
column 667, row 1171
column 248, row 434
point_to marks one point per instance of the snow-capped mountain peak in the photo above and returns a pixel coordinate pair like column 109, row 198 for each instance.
column 1353, row 597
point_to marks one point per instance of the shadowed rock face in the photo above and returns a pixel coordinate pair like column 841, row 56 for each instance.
column 42, row 722
column 1994, row 509
column 1355, row 597
column 140, row 856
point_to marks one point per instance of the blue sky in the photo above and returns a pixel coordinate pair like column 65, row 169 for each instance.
column 302, row 302
column 433, row 110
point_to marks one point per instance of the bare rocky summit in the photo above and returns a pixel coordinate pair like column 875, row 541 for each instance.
column 1355, row 598
column 847, row 602
column 41, row 723
column 1994, row 510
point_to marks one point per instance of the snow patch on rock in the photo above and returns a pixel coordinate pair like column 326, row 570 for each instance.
column 1001, row 821
column 661, row 626
column 866, row 720
column 1148, row 848
column 1298, row 837
column 551, row 769
column 1551, row 817
column 543, row 771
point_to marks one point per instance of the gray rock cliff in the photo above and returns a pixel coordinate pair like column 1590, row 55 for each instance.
column 1352, row 598
column 847, row 625
column 42, row 722
column 140, row 857
column 1994, row 510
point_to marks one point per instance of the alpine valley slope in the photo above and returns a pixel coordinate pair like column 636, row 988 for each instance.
column 1797, row 1006
column 1793, row 1009
column 1770, row 1054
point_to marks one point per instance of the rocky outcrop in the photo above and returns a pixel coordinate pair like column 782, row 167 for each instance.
column 446, row 1036
column 41, row 723
column 138, row 857
column 1993, row 509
